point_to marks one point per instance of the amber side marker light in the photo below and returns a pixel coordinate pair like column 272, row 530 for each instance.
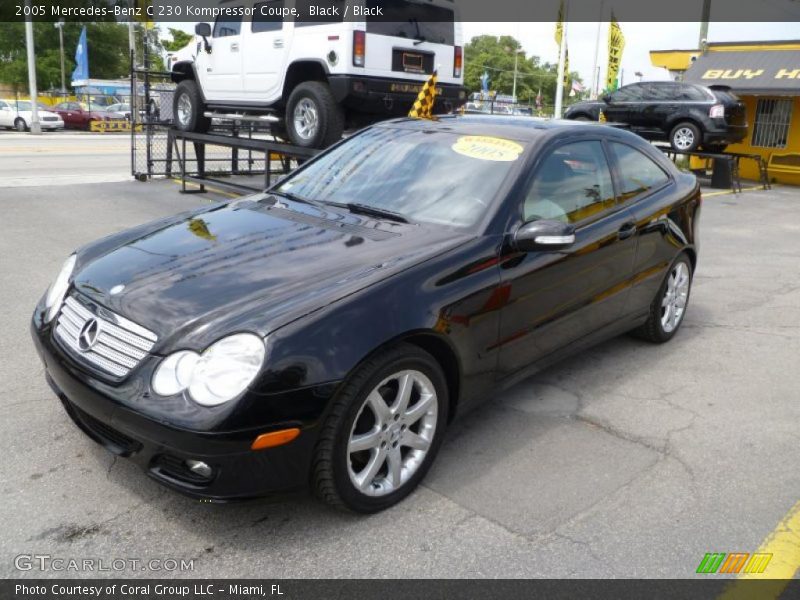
column 274, row 438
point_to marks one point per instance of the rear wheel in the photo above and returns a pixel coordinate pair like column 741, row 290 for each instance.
column 313, row 117
column 383, row 432
column 685, row 137
column 188, row 108
column 20, row 125
column 669, row 305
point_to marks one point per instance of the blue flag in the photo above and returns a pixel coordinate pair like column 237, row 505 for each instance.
column 81, row 71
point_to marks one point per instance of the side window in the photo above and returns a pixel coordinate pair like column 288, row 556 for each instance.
column 629, row 93
column 227, row 26
column 638, row 173
column 573, row 183
column 268, row 16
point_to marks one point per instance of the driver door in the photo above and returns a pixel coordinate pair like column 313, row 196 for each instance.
column 5, row 115
column 559, row 296
column 221, row 70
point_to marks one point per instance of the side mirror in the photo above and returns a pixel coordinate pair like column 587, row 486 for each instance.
column 204, row 31
column 544, row 235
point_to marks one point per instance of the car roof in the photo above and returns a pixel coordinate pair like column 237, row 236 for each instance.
column 516, row 127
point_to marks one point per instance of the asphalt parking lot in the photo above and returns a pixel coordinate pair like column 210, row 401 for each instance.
column 629, row 460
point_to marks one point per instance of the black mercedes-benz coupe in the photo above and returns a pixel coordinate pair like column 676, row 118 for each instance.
column 326, row 331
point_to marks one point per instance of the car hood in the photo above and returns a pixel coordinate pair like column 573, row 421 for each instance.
column 249, row 266
column 585, row 104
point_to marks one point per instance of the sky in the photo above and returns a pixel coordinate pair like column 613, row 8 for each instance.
column 640, row 38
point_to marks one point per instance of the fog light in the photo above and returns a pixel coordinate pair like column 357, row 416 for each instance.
column 200, row 468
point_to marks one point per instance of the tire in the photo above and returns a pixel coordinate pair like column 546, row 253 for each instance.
column 313, row 117
column 336, row 468
column 20, row 125
column 188, row 108
column 685, row 137
column 658, row 328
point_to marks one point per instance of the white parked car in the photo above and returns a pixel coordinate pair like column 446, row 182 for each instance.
column 18, row 114
column 322, row 76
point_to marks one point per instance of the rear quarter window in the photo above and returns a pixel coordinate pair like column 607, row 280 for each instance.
column 638, row 172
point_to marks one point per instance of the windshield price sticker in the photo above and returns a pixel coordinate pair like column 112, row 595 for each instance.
column 487, row 148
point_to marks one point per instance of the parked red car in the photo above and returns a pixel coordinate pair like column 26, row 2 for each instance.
column 79, row 115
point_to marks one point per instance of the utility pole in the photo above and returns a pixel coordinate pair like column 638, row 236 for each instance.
column 706, row 17
column 596, row 68
column 562, row 55
column 35, row 126
column 60, row 26
column 516, row 58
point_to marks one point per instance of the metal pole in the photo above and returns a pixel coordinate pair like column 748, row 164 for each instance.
column 704, row 23
column 60, row 27
column 562, row 54
column 514, row 90
column 595, row 68
column 35, row 126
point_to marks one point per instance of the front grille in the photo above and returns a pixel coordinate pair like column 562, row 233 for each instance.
column 113, row 344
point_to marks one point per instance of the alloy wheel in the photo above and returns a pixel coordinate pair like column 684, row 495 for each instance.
column 676, row 295
column 306, row 118
column 392, row 433
column 184, row 110
column 683, row 138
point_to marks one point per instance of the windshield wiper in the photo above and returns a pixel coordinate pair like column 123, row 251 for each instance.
column 419, row 38
column 355, row 207
column 296, row 198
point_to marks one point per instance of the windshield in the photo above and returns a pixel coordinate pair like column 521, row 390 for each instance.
column 431, row 176
column 20, row 105
column 413, row 21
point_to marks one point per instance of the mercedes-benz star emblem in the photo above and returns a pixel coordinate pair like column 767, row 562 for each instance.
column 88, row 335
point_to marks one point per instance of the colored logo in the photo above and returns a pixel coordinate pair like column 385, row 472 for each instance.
column 733, row 562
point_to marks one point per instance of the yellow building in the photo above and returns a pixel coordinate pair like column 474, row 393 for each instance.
column 766, row 76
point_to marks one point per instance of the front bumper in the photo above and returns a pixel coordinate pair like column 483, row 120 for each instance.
column 161, row 449
column 51, row 124
column 380, row 95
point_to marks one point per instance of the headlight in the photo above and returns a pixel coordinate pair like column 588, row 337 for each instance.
column 58, row 289
column 217, row 375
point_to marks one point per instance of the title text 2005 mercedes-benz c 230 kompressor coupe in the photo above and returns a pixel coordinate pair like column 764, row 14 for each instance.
column 326, row 331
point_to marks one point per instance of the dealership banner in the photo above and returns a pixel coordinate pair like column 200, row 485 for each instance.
column 390, row 10
column 394, row 589
column 616, row 44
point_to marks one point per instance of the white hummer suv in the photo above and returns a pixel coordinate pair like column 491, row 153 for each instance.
column 318, row 76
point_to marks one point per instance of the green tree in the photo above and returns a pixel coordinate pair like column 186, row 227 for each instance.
column 495, row 55
column 108, row 52
column 179, row 40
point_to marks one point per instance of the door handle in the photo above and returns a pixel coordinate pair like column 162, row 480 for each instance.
column 627, row 230
column 277, row 43
column 234, row 46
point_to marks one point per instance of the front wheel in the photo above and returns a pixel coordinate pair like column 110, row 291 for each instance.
column 669, row 306
column 685, row 137
column 383, row 432
column 313, row 117
column 188, row 108
column 20, row 125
